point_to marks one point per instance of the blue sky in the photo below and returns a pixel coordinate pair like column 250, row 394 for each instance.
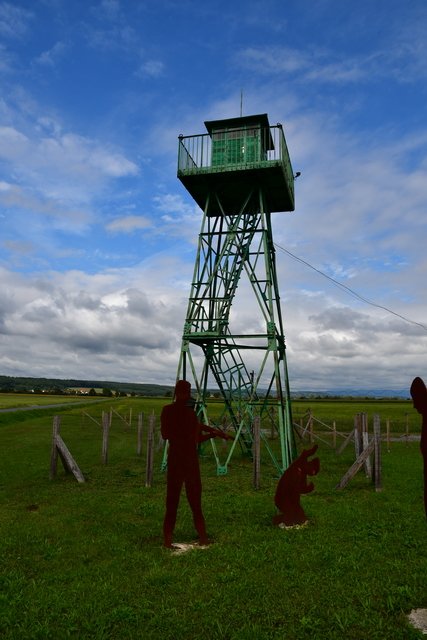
column 98, row 236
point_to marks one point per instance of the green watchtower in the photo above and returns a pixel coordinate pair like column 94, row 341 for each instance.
column 238, row 173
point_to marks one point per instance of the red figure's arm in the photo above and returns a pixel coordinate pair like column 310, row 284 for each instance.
column 307, row 488
column 210, row 432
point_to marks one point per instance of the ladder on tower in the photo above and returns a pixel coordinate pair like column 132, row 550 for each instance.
column 236, row 386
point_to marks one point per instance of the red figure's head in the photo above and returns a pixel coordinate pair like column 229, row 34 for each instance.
column 310, row 467
column 182, row 391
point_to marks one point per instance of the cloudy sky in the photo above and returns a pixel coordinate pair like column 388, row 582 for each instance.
column 98, row 237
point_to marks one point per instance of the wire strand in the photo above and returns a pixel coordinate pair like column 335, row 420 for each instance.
column 348, row 290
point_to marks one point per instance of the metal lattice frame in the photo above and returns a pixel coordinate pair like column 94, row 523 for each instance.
column 238, row 249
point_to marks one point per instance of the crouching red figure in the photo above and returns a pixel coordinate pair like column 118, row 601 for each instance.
column 291, row 485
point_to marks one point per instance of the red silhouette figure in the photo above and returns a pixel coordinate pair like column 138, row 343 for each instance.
column 419, row 397
column 180, row 426
column 290, row 487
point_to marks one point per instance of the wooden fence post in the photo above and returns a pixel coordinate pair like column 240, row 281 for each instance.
column 369, row 447
column 60, row 448
column 140, row 427
column 364, row 422
column 150, row 452
column 256, row 450
column 355, row 466
column 106, row 422
column 310, row 427
column 367, row 464
column 365, row 441
column 334, row 434
column 357, row 435
column 54, row 452
column 377, row 453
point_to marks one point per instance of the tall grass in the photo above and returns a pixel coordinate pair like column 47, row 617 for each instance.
column 86, row 561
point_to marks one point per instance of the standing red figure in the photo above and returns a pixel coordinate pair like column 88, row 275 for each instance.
column 419, row 397
column 180, row 426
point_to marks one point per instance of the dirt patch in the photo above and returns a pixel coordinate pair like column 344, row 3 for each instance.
column 418, row 619
column 182, row 547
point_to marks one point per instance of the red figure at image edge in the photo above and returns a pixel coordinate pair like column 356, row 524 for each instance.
column 419, row 397
column 180, row 426
column 291, row 486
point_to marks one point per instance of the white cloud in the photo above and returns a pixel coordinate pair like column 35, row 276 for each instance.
column 401, row 56
column 14, row 21
column 78, row 155
column 23, row 248
column 94, row 321
column 171, row 203
column 13, row 143
column 6, row 60
column 50, row 57
column 268, row 60
column 128, row 224
column 151, row 68
column 61, row 166
column 111, row 29
column 13, row 196
column 110, row 9
column 308, row 65
column 113, row 165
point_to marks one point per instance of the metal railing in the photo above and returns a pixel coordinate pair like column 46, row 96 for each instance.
column 233, row 150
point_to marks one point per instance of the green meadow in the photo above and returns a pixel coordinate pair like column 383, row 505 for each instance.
column 86, row 560
column 21, row 400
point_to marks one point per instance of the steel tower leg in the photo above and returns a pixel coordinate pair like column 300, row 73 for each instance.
column 235, row 256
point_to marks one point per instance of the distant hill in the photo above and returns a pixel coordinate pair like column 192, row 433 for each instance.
column 355, row 393
column 56, row 385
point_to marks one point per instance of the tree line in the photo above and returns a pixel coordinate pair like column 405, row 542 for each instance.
column 56, row 386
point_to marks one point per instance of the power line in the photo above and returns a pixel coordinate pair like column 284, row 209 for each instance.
column 348, row 290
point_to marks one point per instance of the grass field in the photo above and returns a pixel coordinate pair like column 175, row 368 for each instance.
column 86, row 560
column 21, row 400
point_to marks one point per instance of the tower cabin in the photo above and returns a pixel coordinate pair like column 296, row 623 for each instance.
column 227, row 168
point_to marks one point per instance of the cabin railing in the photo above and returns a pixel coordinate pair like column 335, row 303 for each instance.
column 233, row 150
